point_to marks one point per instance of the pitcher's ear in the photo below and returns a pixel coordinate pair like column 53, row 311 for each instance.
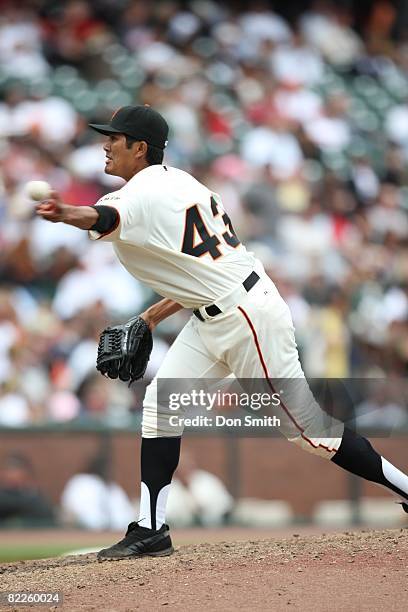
column 141, row 148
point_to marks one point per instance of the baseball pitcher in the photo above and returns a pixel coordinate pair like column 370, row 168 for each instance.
column 172, row 233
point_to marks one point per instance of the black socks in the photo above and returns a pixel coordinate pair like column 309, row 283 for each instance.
column 356, row 455
column 160, row 457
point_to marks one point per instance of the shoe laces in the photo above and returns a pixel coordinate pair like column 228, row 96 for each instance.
column 133, row 530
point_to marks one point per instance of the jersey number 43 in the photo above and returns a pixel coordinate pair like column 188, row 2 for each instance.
column 194, row 223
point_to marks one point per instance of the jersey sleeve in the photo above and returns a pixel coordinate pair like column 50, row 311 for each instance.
column 131, row 223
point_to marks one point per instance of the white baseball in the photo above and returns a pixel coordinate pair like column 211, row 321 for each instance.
column 38, row 190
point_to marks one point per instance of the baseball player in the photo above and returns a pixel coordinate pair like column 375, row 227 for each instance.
column 172, row 233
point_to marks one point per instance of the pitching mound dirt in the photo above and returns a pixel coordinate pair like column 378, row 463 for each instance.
column 364, row 571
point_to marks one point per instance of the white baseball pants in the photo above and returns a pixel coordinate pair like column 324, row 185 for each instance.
column 252, row 340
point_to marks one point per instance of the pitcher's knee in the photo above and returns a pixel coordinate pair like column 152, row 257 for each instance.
column 324, row 447
column 160, row 422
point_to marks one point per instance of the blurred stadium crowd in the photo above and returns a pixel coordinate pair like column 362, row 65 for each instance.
column 300, row 125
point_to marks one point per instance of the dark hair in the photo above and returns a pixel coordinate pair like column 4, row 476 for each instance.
column 154, row 155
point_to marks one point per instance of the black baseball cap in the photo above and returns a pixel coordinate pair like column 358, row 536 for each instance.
column 139, row 122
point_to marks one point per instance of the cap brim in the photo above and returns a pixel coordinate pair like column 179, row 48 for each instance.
column 104, row 129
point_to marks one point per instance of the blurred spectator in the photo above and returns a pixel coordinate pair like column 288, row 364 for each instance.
column 331, row 131
column 260, row 203
column 21, row 501
column 261, row 24
column 286, row 59
column 198, row 497
column 326, row 346
column 87, row 285
column 364, row 181
column 327, row 27
column 92, row 500
column 396, row 125
column 21, row 44
column 73, row 32
column 272, row 145
column 381, row 409
column 14, row 409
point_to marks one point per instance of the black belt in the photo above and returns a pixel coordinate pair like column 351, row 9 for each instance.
column 213, row 309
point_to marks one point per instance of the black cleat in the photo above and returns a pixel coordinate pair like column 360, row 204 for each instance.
column 140, row 542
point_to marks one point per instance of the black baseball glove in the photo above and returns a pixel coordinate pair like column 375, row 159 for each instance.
column 124, row 350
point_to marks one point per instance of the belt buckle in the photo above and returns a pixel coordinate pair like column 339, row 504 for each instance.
column 203, row 314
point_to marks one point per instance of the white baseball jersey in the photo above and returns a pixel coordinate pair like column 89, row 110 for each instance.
column 174, row 236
